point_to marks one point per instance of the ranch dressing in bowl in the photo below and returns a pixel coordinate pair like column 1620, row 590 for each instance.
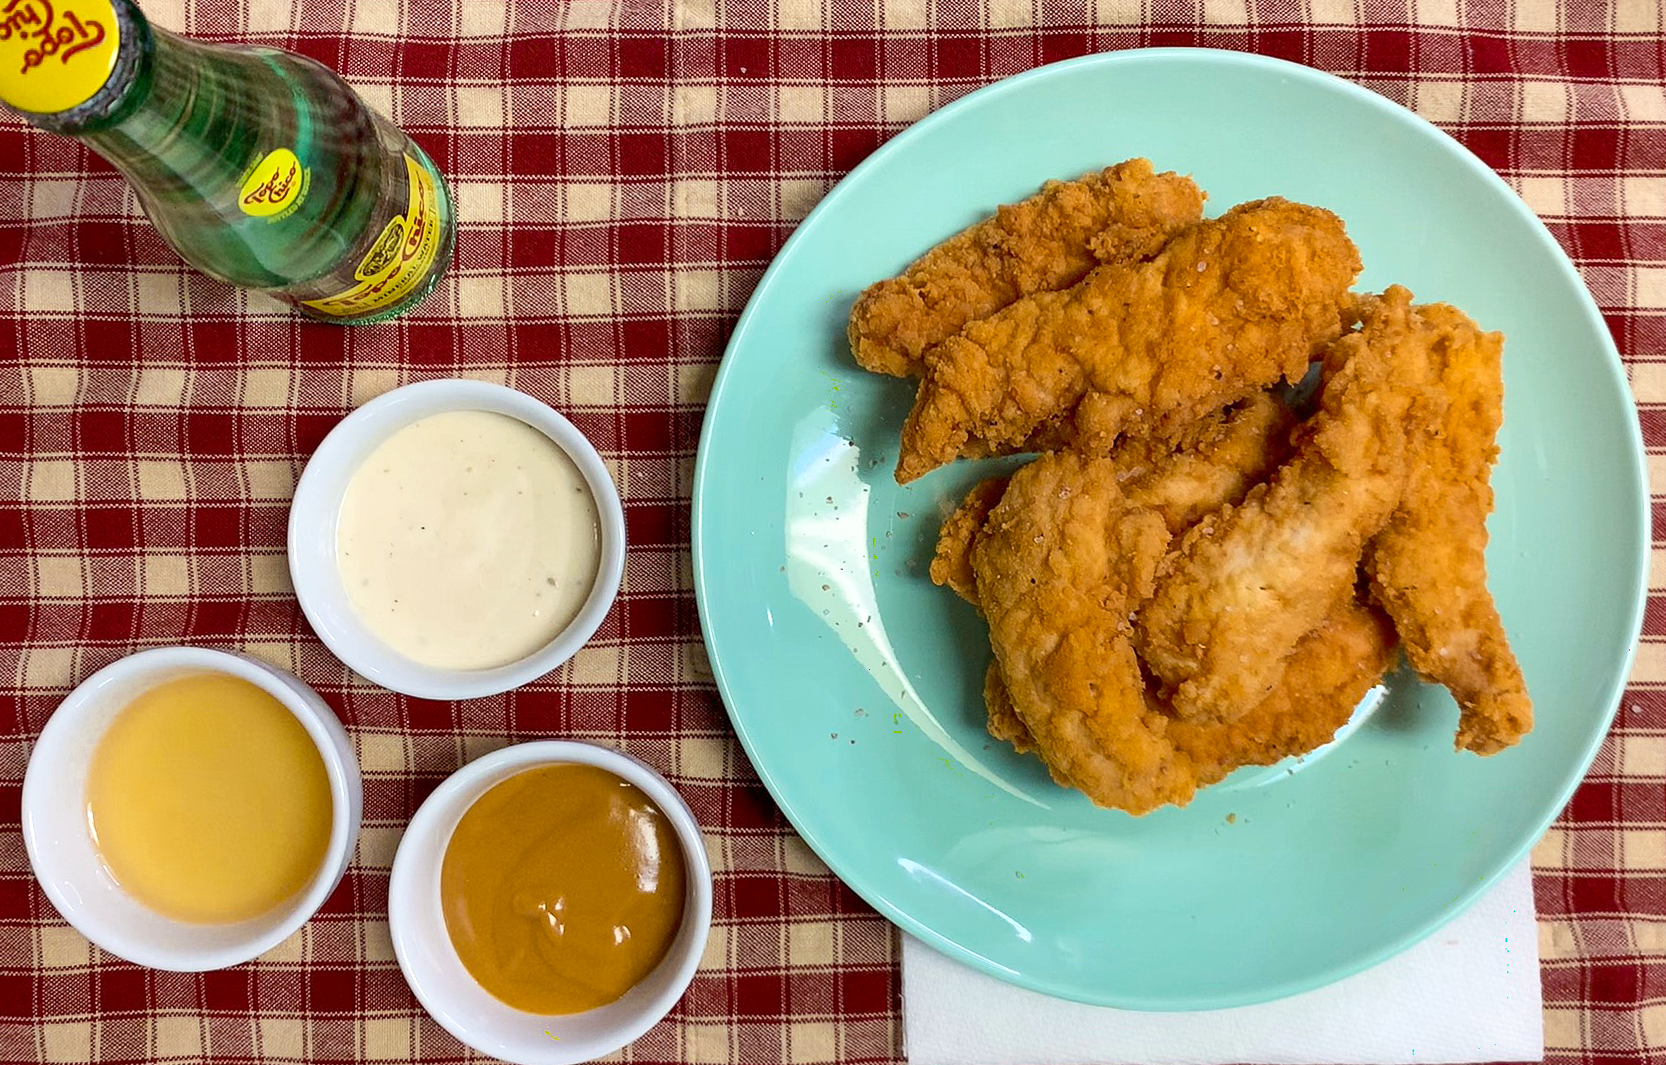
column 467, row 540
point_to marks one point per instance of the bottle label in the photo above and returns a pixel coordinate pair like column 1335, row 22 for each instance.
column 400, row 257
column 275, row 186
column 55, row 54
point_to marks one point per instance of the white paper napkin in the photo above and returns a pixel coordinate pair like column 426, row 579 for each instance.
column 1468, row 993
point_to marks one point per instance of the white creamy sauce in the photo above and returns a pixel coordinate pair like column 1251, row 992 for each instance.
column 468, row 540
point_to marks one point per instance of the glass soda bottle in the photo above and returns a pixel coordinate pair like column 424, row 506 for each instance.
column 262, row 168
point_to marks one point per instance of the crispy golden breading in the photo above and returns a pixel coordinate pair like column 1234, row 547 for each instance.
column 1219, row 458
column 1186, row 581
column 1044, row 243
column 1428, row 566
column 1061, row 564
column 1227, row 308
column 952, row 565
column 1327, row 676
column 1064, row 560
column 1003, row 722
column 1212, row 462
column 1247, row 584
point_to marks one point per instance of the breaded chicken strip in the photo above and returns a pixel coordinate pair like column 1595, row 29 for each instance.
column 1327, row 675
column 951, row 567
column 1225, row 309
column 1212, row 462
column 1004, row 722
column 1044, row 243
column 1428, row 566
column 1061, row 563
column 1248, row 583
column 1063, row 560
column 1215, row 461
column 1219, row 458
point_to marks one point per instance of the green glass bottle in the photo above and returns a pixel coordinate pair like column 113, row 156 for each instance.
column 262, row 168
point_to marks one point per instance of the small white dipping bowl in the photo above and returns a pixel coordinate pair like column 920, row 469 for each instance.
column 451, row 995
column 316, row 508
column 65, row 858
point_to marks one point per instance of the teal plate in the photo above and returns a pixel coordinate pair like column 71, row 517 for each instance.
column 855, row 684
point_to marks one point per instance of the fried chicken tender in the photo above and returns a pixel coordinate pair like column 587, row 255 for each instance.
column 1328, row 674
column 1428, row 567
column 1331, row 670
column 1247, row 584
column 1218, row 458
column 1062, row 562
column 1227, row 308
column 1047, row 242
column 951, row 567
column 1212, row 462
column 1004, row 722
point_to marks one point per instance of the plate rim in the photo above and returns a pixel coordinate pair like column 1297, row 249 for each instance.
column 1613, row 365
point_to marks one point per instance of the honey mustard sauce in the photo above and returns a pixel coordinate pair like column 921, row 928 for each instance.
column 562, row 887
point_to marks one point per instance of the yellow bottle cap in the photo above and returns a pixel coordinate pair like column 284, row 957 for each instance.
column 55, row 54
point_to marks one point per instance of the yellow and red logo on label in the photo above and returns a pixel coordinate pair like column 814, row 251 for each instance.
column 385, row 252
column 399, row 258
column 55, row 54
column 275, row 186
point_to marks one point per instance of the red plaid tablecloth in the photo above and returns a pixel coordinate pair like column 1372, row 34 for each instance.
column 624, row 171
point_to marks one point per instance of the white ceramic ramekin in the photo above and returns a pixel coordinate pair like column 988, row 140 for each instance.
column 317, row 506
column 451, row 995
column 65, row 857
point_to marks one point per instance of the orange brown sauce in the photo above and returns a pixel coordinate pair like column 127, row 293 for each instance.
column 562, row 887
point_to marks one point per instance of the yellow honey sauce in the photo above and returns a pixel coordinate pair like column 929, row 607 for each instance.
column 208, row 801
column 562, row 887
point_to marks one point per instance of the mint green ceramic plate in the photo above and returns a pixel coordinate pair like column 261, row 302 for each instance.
column 855, row 683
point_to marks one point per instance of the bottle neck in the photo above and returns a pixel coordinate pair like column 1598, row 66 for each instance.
column 162, row 125
column 168, row 107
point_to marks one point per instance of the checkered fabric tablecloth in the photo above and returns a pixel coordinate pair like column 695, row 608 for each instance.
column 624, row 171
